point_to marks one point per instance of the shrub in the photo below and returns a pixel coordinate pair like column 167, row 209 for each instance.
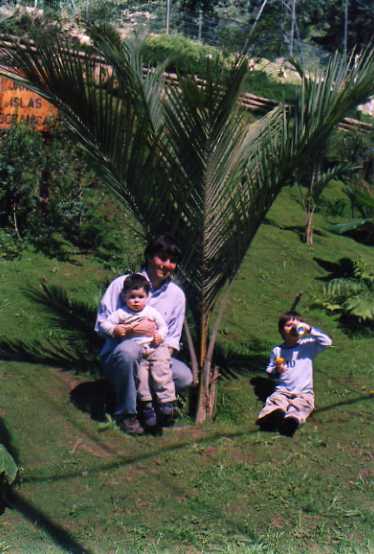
column 8, row 472
column 352, row 295
column 183, row 54
column 10, row 245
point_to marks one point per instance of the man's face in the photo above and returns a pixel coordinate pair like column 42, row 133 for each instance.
column 288, row 332
column 161, row 266
column 136, row 299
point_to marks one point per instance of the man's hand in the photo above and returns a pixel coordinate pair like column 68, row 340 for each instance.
column 122, row 330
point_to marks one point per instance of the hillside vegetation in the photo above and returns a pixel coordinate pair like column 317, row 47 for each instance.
column 225, row 487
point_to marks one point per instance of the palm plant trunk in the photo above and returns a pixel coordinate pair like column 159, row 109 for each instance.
column 309, row 211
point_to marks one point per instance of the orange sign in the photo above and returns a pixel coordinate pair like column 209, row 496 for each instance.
column 17, row 103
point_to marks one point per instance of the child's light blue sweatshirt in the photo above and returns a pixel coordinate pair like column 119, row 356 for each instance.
column 299, row 362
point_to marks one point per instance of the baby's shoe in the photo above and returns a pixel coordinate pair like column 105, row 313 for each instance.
column 148, row 415
column 168, row 413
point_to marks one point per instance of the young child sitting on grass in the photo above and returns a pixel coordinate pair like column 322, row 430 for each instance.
column 291, row 365
column 154, row 357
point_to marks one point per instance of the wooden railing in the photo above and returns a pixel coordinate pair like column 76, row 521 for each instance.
column 250, row 101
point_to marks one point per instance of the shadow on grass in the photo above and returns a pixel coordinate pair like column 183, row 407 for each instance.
column 75, row 319
column 362, row 398
column 97, row 398
column 337, row 270
column 58, row 534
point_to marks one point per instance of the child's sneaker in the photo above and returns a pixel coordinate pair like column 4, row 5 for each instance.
column 148, row 415
column 168, row 413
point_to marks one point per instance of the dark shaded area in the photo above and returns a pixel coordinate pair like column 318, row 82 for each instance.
column 364, row 234
column 262, row 387
column 337, row 270
column 299, row 230
column 58, row 534
column 96, row 398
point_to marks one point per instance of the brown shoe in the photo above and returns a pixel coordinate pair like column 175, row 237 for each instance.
column 131, row 425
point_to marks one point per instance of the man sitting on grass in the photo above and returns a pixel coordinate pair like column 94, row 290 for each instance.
column 291, row 365
column 120, row 359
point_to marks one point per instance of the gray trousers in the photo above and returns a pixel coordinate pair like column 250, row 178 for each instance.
column 155, row 377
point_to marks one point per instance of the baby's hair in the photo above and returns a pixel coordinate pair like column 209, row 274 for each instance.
column 286, row 317
column 136, row 281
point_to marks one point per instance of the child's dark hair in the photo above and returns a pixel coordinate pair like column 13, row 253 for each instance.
column 286, row 317
column 163, row 244
column 136, row 281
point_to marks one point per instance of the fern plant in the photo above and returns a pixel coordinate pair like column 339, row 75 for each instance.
column 351, row 296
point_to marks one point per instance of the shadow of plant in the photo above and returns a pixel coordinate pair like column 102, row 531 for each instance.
column 78, row 349
column 236, row 359
column 340, row 269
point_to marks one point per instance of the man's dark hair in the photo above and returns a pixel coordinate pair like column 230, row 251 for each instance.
column 163, row 244
column 286, row 317
column 136, row 281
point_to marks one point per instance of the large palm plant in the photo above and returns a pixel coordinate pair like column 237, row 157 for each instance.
column 187, row 158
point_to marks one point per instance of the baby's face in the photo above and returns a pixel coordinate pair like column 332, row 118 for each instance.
column 135, row 299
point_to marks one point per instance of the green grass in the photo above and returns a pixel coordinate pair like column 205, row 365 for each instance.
column 225, row 487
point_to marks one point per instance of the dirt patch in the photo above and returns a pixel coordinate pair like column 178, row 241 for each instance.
column 242, row 456
column 278, row 522
column 68, row 379
column 91, row 448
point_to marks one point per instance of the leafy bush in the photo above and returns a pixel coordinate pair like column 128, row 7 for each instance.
column 20, row 175
column 182, row 54
column 8, row 472
column 52, row 199
column 351, row 296
column 187, row 56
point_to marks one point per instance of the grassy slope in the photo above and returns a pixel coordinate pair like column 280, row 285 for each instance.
column 223, row 488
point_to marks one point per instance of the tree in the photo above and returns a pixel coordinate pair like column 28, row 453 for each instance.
column 186, row 158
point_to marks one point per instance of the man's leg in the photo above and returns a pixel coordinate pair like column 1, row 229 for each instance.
column 182, row 375
column 121, row 367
